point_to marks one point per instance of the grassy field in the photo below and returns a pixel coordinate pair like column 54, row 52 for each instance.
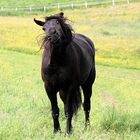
column 24, row 107
column 15, row 3
column 114, row 30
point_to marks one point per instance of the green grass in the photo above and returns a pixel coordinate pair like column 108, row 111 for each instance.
column 15, row 3
column 22, row 8
column 114, row 30
column 24, row 107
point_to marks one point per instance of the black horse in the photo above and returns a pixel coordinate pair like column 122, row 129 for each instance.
column 67, row 63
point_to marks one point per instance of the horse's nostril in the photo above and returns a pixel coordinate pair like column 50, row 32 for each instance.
column 43, row 28
column 49, row 37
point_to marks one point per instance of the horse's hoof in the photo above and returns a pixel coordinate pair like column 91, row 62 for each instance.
column 57, row 131
column 87, row 124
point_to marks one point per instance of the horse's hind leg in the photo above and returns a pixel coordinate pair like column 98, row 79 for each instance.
column 87, row 90
column 67, row 108
column 63, row 98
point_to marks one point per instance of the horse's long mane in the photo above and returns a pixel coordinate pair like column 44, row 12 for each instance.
column 67, row 29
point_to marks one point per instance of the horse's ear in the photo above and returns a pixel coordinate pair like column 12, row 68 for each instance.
column 38, row 22
column 61, row 15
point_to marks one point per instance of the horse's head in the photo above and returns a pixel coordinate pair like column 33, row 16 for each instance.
column 55, row 28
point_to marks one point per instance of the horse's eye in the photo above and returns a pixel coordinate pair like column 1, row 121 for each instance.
column 57, row 22
column 43, row 29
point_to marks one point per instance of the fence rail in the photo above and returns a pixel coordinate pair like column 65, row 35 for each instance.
column 71, row 5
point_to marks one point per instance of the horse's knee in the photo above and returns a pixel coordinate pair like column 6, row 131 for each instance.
column 55, row 113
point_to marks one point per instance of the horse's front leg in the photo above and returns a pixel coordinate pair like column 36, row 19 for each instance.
column 55, row 110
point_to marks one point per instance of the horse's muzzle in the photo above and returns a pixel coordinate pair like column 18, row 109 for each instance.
column 53, row 38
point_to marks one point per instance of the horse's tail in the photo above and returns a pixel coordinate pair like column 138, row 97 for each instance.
column 77, row 101
column 74, row 100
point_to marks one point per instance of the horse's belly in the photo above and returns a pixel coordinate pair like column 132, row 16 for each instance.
column 85, row 69
column 86, row 57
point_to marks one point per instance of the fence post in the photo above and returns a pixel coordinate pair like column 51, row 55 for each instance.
column 1, row 8
column 44, row 9
column 30, row 9
column 58, row 6
column 86, row 4
column 72, row 5
column 113, row 2
column 128, row 2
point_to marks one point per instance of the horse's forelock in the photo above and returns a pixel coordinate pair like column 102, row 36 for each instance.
column 53, row 17
column 62, row 21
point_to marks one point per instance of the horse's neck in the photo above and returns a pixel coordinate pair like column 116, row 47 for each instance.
column 57, row 56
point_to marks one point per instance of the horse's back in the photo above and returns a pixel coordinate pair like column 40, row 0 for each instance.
column 85, row 52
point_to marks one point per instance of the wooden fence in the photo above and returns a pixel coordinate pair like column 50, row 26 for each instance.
column 66, row 5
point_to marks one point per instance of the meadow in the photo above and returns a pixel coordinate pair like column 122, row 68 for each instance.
column 24, row 107
column 15, row 3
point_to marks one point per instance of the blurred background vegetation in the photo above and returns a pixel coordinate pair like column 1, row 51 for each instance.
column 25, row 109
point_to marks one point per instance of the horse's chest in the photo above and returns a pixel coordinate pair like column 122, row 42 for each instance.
column 54, row 76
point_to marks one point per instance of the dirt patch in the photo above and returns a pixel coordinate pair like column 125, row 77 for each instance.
column 108, row 97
